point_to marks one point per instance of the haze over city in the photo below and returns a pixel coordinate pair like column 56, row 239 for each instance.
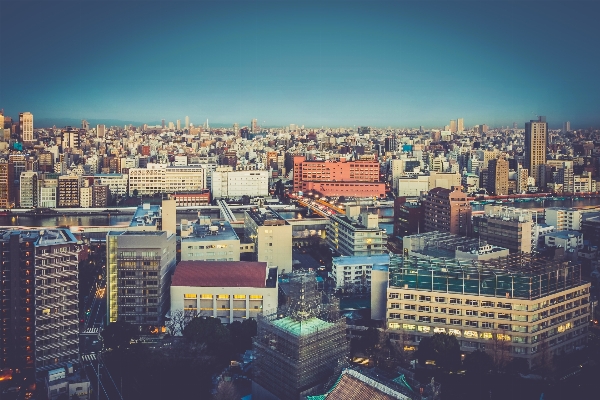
column 380, row 63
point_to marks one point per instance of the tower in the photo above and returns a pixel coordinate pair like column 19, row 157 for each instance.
column 187, row 122
column 100, row 131
column 497, row 182
column 300, row 347
column 178, row 124
column 26, row 126
column 254, row 126
column 566, row 126
column 460, row 124
column 453, row 126
column 536, row 132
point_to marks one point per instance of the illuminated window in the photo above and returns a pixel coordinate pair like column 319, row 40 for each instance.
column 394, row 325
column 409, row 327
column 190, row 296
column 239, row 296
column 223, row 296
column 206, row 296
column 256, row 297
column 439, row 330
column 472, row 334
column 454, row 332
column 425, row 329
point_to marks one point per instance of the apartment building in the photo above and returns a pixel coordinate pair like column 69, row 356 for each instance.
column 39, row 328
column 160, row 178
column 521, row 306
column 356, row 234
column 139, row 267
column 511, row 228
column 68, row 190
column 447, row 210
column 29, row 189
column 354, row 271
column 117, row 183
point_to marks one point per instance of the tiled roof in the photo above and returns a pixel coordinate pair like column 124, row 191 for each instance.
column 220, row 274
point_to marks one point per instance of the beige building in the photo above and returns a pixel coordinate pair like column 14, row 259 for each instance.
column 26, row 126
column 497, row 182
column 506, row 227
column 230, row 291
column 272, row 237
column 205, row 240
column 515, row 307
column 536, row 133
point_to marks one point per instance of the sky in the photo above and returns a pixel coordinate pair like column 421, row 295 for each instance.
column 322, row 63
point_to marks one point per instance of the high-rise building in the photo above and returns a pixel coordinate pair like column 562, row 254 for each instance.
column 100, row 131
column 536, row 132
column 187, row 122
column 300, row 347
column 447, row 210
column 356, row 234
column 505, row 227
column 453, row 126
column 26, row 126
column 497, row 182
column 515, row 125
column 39, row 328
column 5, row 185
column 460, row 124
column 178, row 124
column 566, row 126
column 70, row 138
column 85, row 125
column 236, row 129
column 139, row 269
column 254, row 126
column 163, row 123
column 29, row 189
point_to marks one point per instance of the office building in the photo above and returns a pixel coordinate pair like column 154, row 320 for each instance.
column 39, row 328
column 187, row 122
column 355, row 271
column 536, row 138
column 100, row 196
column 205, row 240
column 100, row 131
column 497, row 181
column 521, row 306
column 160, row 178
column 451, row 246
column 566, row 127
column 139, row 266
column 227, row 183
column 230, row 291
column 70, row 138
column 272, row 237
column 117, row 183
column 338, row 178
column 26, row 126
column 453, row 127
column 254, row 126
column 408, row 217
column 447, row 210
column 460, row 125
column 29, row 189
column 298, row 348
column 356, row 234
column 511, row 228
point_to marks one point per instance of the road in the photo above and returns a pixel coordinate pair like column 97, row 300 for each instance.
column 92, row 363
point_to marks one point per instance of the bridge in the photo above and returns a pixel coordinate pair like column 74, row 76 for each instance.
column 226, row 212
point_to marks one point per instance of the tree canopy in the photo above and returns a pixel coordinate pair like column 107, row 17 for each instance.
column 443, row 348
column 118, row 335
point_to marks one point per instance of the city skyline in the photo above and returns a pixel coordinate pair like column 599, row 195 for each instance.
column 400, row 64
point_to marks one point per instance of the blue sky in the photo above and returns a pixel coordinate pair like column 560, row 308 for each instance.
column 325, row 63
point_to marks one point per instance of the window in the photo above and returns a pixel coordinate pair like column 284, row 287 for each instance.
column 408, row 296
column 424, row 298
column 455, row 301
column 487, row 314
column 504, row 326
column 472, row 313
column 503, row 316
column 472, row 302
column 206, row 296
column 424, row 319
column 239, row 296
column 190, row 296
column 471, row 323
column 395, row 305
column 410, row 307
column 393, row 295
column 424, row 308
column 256, row 297
column 440, row 299
column 487, row 325
column 439, row 320
column 487, row 304
column 455, row 321
column 394, row 315
column 223, row 296
column 409, row 316
column 453, row 311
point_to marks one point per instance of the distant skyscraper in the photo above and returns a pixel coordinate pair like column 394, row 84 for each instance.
column 515, row 126
column 453, row 125
column 536, row 132
column 100, row 131
column 178, row 124
column 236, row 129
column 566, row 126
column 26, row 126
column 460, row 124
column 163, row 123
column 187, row 122
column 254, row 126
column 85, row 125
column 497, row 181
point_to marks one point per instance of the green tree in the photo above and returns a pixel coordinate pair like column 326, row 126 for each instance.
column 478, row 363
column 118, row 335
column 442, row 348
column 211, row 332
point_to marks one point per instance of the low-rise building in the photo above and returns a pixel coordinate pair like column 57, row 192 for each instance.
column 356, row 234
column 272, row 237
column 355, row 271
column 230, row 291
column 204, row 240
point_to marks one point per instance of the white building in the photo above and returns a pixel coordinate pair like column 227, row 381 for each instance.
column 47, row 196
column 356, row 235
column 563, row 219
column 117, row 183
column 413, row 186
column 571, row 241
column 85, row 196
column 159, row 178
column 226, row 183
column 272, row 237
column 204, row 240
column 355, row 270
column 230, row 291
column 26, row 126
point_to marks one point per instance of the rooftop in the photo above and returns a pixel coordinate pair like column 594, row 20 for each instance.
column 145, row 215
column 266, row 217
column 207, row 231
column 362, row 260
column 220, row 274
column 564, row 234
column 300, row 328
column 43, row 237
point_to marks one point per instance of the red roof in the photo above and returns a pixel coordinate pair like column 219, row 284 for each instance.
column 220, row 274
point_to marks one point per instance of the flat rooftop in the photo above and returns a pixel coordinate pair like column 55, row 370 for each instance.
column 145, row 215
column 266, row 217
column 220, row 274
column 362, row 260
column 213, row 232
